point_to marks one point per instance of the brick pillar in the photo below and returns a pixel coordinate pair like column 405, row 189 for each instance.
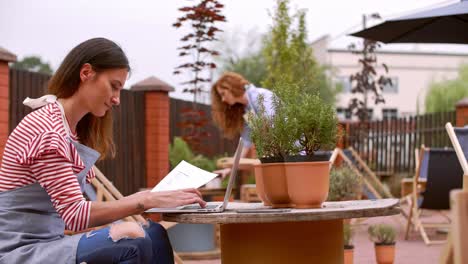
column 156, row 128
column 5, row 58
column 156, row 136
column 462, row 112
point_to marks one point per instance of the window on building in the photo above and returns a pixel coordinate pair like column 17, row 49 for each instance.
column 391, row 88
column 343, row 113
column 389, row 113
column 370, row 112
column 345, row 83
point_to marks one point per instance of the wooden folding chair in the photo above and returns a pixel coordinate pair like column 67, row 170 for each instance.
column 456, row 250
column 443, row 175
column 105, row 190
column 417, row 183
column 459, row 227
column 408, row 183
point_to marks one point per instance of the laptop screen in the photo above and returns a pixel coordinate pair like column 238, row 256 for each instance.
column 232, row 177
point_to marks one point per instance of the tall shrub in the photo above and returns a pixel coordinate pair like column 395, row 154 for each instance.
column 442, row 96
column 289, row 57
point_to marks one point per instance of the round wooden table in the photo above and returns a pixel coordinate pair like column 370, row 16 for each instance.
column 294, row 236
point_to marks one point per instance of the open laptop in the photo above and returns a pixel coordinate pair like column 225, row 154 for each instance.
column 211, row 207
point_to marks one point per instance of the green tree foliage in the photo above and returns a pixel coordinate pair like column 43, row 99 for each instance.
column 442, row 96
column 282, row 54
column 290, row 58
column 33, row 63
column 180, row 150
column 241, row 53
column 252, row 67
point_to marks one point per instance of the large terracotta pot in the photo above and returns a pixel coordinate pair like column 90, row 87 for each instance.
column 275, row 186
column 348, row 256
column 384, row 254
column 259, row 184
column 308, row 183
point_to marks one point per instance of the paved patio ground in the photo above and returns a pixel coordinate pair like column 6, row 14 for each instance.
column 412, row 251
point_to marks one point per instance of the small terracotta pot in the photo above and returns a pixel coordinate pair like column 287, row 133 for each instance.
column 259, row 184
column 384, row 254
column 275, row 186
column 308, row 183
column 348, row 256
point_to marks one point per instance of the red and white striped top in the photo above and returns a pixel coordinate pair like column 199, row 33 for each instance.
column 38, row 150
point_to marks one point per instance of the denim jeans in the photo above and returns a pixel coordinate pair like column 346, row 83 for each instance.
column 98, row 247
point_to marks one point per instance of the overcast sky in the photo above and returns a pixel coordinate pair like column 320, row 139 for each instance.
column 50, row 28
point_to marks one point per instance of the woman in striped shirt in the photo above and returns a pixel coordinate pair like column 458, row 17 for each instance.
column 48, row 159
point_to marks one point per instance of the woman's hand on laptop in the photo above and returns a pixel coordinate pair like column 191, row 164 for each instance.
column 176, row 198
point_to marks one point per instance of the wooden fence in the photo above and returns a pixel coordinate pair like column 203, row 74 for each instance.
column 213, row 145
column 24, row 84
column 127, row 169
column 388, row 146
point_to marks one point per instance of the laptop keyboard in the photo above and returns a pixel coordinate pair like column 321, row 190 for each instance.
column 197, row 206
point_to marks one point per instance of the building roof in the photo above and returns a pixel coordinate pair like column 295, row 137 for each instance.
column 152, row 84
column 341, row 43
column 5, row 55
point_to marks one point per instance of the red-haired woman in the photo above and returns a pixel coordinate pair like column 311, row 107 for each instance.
column 232, row 98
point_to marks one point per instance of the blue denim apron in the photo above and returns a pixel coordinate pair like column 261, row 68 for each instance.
column 31, row 230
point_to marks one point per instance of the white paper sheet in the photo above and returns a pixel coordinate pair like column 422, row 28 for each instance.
column 183, row 176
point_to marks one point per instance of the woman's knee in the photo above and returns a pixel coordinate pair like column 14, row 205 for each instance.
column 126, row 242
column 126, row 230
column 156, row 229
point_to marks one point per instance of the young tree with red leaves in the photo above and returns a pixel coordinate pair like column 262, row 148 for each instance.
column 202, row 18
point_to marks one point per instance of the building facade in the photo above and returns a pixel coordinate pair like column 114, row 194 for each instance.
column 412, row 68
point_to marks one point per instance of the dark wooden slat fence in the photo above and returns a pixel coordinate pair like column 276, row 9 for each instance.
column 213, row 145
column 387, row 146
column 24, row 84
column 127, row 169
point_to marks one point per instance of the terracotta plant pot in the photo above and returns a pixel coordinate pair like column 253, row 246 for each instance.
column 308, row 183
column 275, row 185
column 259, row 184
column 349, row 255
column 384, row 254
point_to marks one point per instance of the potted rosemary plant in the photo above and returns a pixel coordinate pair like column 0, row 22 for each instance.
column 312, row 127
column 270, row 173
column 383, row 236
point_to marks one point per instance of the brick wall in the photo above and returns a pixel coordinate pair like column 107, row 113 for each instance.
column 4, row 105
column 156, row 136
column 462, row 113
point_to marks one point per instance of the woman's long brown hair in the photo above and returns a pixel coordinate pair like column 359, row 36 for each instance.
column 102, row 54
column 228, row 118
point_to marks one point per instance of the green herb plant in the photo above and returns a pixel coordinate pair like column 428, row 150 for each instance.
column 382, row 234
